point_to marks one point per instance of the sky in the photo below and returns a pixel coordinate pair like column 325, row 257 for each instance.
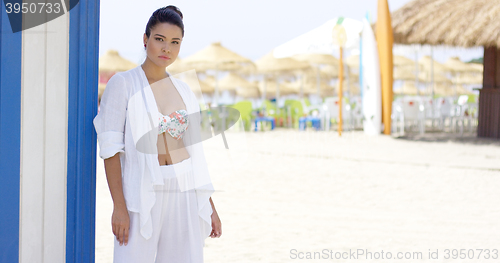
column 249, row 28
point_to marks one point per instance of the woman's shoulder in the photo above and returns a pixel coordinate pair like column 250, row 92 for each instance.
column 124, row 80
column 130, row 75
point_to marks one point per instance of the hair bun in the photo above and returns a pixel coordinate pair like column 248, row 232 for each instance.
column 176, row 9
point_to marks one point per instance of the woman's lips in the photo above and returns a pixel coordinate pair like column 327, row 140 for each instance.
column 164, row 57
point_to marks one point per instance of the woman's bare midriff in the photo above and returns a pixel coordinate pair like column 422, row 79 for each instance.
column 172, row 152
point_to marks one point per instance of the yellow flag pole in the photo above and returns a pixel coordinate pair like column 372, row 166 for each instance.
column 339, row 37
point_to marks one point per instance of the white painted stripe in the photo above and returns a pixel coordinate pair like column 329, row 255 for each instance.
column 44, row 114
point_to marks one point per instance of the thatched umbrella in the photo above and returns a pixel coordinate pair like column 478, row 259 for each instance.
column 113, row 62
column 478, row 67
column 216, row 57
column 456, row 66
column 232, row 81
column 317, row 60
column 470, row 79
column 427, row 62
column 443, row 90
column 403, row 75
column 207, row 85
column 176, row 67
column 267, row 88
column 408, row 88
column 269, row 64
column 250, row 91
column 330, row 71
column 465, row 23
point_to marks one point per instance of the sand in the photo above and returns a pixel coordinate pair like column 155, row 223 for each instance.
column 285, row 194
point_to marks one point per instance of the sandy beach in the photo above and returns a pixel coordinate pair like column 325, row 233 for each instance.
column 285, row 194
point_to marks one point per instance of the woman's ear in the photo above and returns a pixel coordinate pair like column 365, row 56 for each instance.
column 145, row 39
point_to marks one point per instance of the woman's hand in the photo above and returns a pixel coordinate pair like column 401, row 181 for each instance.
column 216, row 225
column 120, row 221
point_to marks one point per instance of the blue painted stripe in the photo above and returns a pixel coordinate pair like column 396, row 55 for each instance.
column 82, row 139
column 10, row 138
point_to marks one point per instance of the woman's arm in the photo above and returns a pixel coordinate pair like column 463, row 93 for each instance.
column 120, row 220
column 216, row 224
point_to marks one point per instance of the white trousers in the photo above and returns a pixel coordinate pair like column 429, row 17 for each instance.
column 176, row 227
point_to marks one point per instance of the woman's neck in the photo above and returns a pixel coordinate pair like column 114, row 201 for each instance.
column 153, row 72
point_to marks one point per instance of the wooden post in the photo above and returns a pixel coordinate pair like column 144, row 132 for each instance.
column 489, row 97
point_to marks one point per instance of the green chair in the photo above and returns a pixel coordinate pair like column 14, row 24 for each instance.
column 245, row 109
column 270, row 110
column 296, row 111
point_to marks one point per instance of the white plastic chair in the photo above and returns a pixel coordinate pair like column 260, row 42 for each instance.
column 413, row 113
column 446, row 110
column 330, row 110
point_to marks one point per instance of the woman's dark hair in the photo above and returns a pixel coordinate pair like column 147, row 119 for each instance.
column 168, row 14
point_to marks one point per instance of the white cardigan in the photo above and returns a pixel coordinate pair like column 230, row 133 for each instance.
column 123, row 118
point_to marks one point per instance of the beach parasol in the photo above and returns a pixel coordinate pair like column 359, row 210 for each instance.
column 269, row 64
column 232, row 81
column 207, row 85
column 249, row 92
column 330, row 71
column 317, row 60
column 113, row 62
column 456, row 66
column 465, row 23
column 216, row 57
column 176, row 67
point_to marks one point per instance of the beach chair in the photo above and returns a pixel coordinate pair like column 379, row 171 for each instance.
column 413, row 112
column 268, row 110
column 294, row 111
column 245, row 110
column 330, row 113
column 446, row 111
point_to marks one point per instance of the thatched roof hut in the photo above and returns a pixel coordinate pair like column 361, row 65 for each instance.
column 464, row 23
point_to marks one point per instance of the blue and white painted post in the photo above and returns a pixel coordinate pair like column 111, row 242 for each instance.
column 48, row 99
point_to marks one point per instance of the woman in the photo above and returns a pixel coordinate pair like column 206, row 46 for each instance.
column 149, row 137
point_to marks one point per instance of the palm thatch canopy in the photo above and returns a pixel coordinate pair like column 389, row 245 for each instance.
column 399, row 61
column 207, row 85
column 113, row 62
column 330, row 71
column 268, row 63
column 403, row 75
column 270, row 88
column 408, row 88
column 464, row 23
column 215, row 56
column 249, row 92
column 426, row 63
column 456, row 65
column 232, row 81
column 323, row 59
column 176, row 67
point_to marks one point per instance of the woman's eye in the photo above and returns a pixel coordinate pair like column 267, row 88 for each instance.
column 159, row 39
column 175, row 42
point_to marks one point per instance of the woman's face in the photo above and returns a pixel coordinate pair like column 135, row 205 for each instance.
column 164, row 44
